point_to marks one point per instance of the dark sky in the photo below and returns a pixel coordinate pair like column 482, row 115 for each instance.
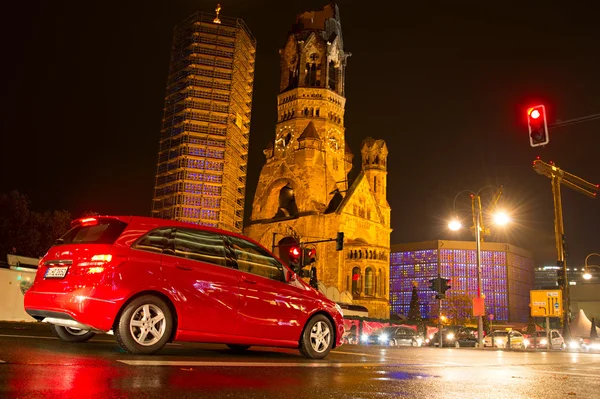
column 445, row 84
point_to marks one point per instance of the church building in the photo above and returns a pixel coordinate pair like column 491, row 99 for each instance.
column 303, row 193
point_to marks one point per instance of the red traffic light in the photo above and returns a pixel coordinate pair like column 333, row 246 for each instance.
column 538, row 127
column 294, row 252
column 534, row 113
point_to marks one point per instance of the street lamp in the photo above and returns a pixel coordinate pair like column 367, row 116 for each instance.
column 586, row 271
column 499, row 218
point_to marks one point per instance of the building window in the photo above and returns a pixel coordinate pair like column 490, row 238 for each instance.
column 356, row 282
column 369, row 277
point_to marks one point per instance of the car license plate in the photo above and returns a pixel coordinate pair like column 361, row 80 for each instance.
column 56, row 272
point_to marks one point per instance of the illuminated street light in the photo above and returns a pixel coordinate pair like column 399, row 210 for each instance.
column 586, row 271
column 499, row 218
column 454, row 225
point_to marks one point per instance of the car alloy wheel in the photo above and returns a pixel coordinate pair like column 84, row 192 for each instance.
column 145, row 325
column 317, row 338
column 76, row 331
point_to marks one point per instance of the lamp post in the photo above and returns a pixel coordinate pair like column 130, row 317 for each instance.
column 586, row 271
column 500, row 218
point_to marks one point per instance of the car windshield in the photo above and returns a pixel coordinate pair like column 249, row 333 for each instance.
column 539, row 334
column 500, row 333
column 384, row 330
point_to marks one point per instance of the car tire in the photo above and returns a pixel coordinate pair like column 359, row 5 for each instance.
column 392, row 342
column 143, row 318
column 415, row 343
column 238, row 348
column 70, row 334
column 456, row 344
column 317, row 338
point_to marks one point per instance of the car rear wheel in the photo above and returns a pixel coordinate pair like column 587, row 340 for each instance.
column 238, row 348
column 70, row 334
column 144, row 326
column 317, row 338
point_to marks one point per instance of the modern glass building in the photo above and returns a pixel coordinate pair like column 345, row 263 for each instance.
column 203, row 154
column 507, row 276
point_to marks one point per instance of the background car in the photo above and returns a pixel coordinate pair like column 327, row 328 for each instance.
column 456, row 337
column 394, row 336
column 539, row 339
column 500, row 338
column 152, row 281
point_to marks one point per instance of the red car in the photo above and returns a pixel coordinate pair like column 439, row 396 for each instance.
column 152, row 281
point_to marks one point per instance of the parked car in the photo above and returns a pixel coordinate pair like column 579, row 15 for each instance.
column 152, row 281
column 456, row 337
column 499, row 339
column 394, row 336
column 539, row 339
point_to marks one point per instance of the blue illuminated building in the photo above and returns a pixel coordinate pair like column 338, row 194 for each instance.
column 507, row 276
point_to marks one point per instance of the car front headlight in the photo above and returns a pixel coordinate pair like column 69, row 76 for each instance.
column 383, row 338
column 525, row 342
column 450, row 336
column 574, row 345
column 543, row 341
column 364, row 338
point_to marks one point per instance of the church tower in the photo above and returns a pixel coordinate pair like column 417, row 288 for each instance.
column 303, row 193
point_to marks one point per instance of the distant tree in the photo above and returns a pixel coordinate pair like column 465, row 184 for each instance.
column 458, row 308
column 531, row 325
column 593, row 331
column 52, row 225
column 26, row 232
column 414, row 312
column 16, row 225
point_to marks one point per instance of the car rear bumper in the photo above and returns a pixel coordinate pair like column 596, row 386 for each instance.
column 72, row 308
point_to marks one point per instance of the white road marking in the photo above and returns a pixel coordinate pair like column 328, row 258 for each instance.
column 250, row 364
column 26, row 336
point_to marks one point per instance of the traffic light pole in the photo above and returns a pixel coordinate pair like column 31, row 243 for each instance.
column 558, row 177
column 440, row 312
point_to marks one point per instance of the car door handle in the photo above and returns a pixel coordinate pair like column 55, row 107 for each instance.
column 186, row 268
column 249, row 281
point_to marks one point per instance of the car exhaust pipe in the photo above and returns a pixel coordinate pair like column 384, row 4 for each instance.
column 69, row 323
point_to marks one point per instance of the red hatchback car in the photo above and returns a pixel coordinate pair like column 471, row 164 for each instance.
column 152, row 281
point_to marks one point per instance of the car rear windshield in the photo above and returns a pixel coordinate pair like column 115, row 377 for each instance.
column 106, row 231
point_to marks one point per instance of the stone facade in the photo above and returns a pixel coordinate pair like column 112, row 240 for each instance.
column 303, row 193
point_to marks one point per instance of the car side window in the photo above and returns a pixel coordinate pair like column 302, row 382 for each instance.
column 202, row 246
column 254, row 259
column 156, row 240
column 554, row 334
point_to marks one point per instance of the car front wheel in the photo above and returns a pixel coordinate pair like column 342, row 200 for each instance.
column 144, row 326
column 317, row 338
column 70, row 334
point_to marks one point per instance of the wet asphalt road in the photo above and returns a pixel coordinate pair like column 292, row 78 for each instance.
column 33, row 364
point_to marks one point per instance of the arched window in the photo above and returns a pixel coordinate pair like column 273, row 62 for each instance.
column 333, row 76
column 356, row 282
column 311, row 71
column 369, row 277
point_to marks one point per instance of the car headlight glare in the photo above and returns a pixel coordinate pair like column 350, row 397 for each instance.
column 544, row 341
column 450, row 336
column 364, row 338
column 383, row 337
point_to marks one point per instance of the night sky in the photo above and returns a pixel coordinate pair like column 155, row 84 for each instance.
column 446, row 86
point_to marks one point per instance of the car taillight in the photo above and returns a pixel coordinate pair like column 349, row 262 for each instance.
column 97, row 263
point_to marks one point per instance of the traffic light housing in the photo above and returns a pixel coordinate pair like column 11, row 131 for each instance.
column 434, row 285
column 339, row 241
column 294, row 255
column 310, row 256
column 444, row 286
column 439, row 285
column 538, row 126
